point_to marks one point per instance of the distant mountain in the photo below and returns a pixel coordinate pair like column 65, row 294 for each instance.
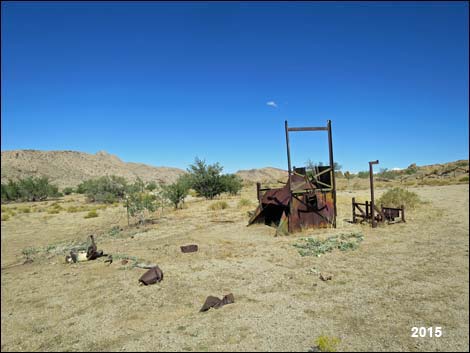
column 70, row 168
column 263, row 175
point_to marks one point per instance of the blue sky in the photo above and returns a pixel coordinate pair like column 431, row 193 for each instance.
column 161, row 83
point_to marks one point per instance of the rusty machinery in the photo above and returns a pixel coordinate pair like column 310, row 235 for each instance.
column 368, row 213
column 307, row 200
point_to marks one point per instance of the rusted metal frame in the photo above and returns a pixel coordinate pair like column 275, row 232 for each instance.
column 289, row 226
column 380, row 212
column 332, row 166
column 306, row 205
column 321, row 128
column 371, row 176
column 323, row 172
column 328, row 186
column 330, row 147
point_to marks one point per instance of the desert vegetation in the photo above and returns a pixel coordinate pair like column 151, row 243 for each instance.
column 28, row 189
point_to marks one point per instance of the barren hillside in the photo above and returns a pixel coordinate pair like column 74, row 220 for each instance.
column 69, row 168
column 267, row 174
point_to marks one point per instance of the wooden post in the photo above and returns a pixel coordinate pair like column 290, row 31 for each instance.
column 403, row 213
column 354, row 209
column 367, row 211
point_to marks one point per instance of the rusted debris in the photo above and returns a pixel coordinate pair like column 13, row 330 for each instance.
column 368, row 209
column 308, row 199
column 189, row 248
column 124, row 261
column 153, row 275
column 214, row 302
column 91, row 253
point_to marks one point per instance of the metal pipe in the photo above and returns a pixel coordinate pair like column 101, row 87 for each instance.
column 289, row 225
column 332, row 165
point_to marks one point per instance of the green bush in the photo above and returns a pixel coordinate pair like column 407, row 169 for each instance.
column 91, row 214
column 206, row 179
column 176, row 192
column 232, row 183
column 363, row 174
column 68, row 191
column 5, row 217
column 396, row 197
column 29, row 189
column 326, row 343
column 107, row 189
column 151, row 186
column 140, row 203
column 464, row 179
column 388, row 174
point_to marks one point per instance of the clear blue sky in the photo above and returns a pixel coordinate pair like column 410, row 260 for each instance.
column 161, row 83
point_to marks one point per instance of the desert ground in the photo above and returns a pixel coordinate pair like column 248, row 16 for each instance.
column 402, row 275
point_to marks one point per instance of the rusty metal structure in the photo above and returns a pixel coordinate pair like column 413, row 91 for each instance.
column 368, row 213
column 307, row 200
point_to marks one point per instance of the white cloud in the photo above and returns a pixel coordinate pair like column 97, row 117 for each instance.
column 272, row 104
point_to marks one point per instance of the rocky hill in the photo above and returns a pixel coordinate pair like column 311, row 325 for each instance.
column 70, row 168
column 263, row 175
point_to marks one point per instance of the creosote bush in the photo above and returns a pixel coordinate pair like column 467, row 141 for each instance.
column 91, row 214
column 396, row 197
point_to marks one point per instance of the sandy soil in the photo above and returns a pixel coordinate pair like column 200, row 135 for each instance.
column 402, row 275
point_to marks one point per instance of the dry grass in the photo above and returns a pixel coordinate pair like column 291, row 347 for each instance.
column 401, row 275
column 218, row 205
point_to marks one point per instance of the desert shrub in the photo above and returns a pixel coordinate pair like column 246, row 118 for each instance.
column 218, row 205
column 176, row 192
column 205, row 179
column 24, row 209
column 388, row 174
column 68, row 191
column 73, row 209
column 29, row 189
column 91, row 214
column 232, row 183
column 244, row 203
column 106, row 189
column 192, row 192
column 5, row 216
column 464, row 179
column 327, row 343
column 151, row 186
column 317, row 247
column 55, row 208
column 139, row 204
column 137, row 186
column 411, row 169
column 396, row 197
column 363, row 174
column 434, row 182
